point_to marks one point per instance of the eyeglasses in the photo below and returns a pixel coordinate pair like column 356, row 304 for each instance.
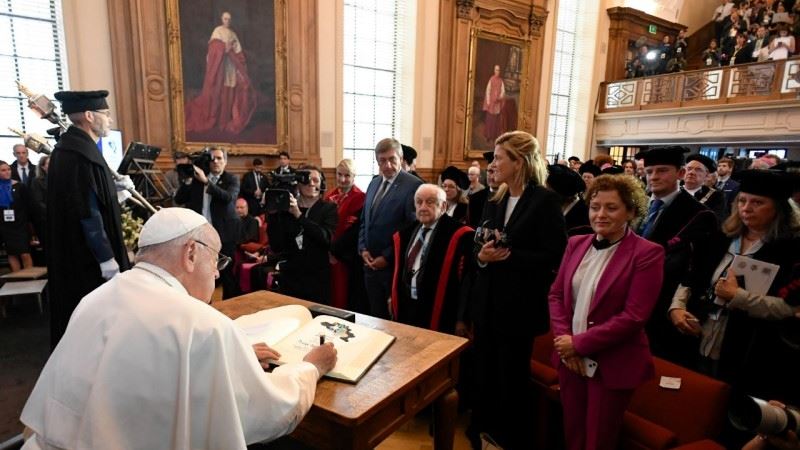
column 222, row 260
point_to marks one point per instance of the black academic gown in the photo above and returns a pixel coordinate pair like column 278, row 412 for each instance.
column 715, row 201
column 684, row 229
column 77, row 169
column 437, row 263
column 577, row 219
column 477, row 201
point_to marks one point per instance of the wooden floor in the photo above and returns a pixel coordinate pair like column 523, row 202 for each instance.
column 415, row 435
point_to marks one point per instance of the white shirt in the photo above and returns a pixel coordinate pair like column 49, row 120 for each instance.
column 19, row 170
column 451, row 209
column 692, row 191
column 584, row 284
column 212, row 179
column 143, row 365
column 512, row 203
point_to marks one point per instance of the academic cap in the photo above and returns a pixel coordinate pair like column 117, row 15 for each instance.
column 589, row 166
column 668, row 156
column 613, row 170
column 409, row 154
column 459, row 178
column 704, row 160
column 488, row 156
column 79, row 101
column 768, row 183
column 565, row 181
column 169, row 223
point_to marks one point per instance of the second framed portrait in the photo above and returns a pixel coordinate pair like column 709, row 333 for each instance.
column 496, row 89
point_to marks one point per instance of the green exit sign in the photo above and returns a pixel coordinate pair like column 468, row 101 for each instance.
column 652, row 29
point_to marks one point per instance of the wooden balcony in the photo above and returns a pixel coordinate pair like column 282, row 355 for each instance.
column 772, row 81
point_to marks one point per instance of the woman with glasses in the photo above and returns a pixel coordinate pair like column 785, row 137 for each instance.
column 523, row 238
column 746, row 298
column 300, row 239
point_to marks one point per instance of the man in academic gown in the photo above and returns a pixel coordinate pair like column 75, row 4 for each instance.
column 683, row 226
column 146, row 363
column 426, row 291
column 84, row 234
column 698, row 168
column 477, row 200
column 569, row 185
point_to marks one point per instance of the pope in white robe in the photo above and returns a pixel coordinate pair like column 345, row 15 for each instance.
column 144, row 364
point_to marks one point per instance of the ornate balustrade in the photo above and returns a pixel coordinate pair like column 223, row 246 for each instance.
column 747, row 83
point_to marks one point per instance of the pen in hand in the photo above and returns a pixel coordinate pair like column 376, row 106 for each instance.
column 321, row 339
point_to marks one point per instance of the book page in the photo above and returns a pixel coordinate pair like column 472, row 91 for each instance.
column 271, row 325
column 358, row 346
column 758, row 275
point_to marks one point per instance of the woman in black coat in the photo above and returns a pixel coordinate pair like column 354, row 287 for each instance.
column 301, row 238
column 522, row 241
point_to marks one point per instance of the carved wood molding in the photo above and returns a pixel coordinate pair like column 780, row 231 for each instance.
column 140, row 36
column 458, row 20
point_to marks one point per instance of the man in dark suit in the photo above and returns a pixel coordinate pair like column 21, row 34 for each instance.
column 283, row 164
column 248, row 228
column 683, row 226
column 724, row 181
column 388, row 206
column 440, row 248
column 22, row 169
column 698, row 168
column 253, row 185
column 213, row 195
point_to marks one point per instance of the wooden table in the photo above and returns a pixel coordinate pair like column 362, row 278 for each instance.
column 30, row 287
column 30, row 273
column 420, row 368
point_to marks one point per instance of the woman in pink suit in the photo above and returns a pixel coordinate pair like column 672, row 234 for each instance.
column 606, row 288
column 349, row 200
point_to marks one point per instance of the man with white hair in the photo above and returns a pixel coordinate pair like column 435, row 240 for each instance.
column 146, row 363
column 474, row 175
column 431, row 257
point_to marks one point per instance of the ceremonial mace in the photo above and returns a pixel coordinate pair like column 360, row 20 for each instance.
column 46, row 109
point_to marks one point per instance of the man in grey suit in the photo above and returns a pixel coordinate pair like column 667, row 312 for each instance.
column 388, row 206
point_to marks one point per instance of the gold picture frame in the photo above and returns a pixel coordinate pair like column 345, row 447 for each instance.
column 489, row 115
column 270, row 134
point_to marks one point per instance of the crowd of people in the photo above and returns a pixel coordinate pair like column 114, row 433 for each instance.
column 618, row 261
column 744, row 32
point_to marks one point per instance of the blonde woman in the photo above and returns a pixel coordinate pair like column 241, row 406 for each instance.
column 349, row 201
column 523, row 238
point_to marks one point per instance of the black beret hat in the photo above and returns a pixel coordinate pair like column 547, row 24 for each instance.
column 589, row 166
column 409, row 154
column 79, row 101
column 488, row 156
column 459, row 178
column 704, row 160
column 668, row 156
column 613, row 170
column 768, row 183
column 792, row 171
column 565, row 181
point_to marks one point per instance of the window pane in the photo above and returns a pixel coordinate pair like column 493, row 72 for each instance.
column 364, row 109
column 364, row 135
column 383, row 111
column 364, row 53
column 348, row 131
column 34, row 38
column 384, row 84
column 365, row 81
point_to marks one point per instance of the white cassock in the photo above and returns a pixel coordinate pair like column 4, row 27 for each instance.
column 143, row 365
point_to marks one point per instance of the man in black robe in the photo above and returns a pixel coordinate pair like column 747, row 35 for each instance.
column 431, row 257
column 569, row 185
column 84, row 241
column 698, row 168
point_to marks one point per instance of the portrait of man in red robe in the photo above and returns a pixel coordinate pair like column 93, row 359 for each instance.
column 229, row 75
column 495, row 92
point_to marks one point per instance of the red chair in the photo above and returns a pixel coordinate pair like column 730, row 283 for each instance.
column 686, row 418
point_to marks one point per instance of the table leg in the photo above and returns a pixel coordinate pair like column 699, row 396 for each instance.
column 444, row 420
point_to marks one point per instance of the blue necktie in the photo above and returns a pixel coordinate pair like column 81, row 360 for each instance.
column 652, row 213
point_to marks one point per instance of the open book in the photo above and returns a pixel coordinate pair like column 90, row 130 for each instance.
column 293, row 333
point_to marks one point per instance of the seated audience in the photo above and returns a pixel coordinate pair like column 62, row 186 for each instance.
column 249, row 225
column 146, row 363
column 604, row 293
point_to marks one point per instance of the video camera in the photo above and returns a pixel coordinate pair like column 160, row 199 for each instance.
column 758, row 416
column 281, row 186
column 201, row 159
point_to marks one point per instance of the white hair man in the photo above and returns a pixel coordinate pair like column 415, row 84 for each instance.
column 433, row 257
column 146, row 363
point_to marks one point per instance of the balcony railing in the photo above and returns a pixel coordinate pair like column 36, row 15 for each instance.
column 746, row 83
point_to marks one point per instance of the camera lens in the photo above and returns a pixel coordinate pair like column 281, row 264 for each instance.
column 757, row 416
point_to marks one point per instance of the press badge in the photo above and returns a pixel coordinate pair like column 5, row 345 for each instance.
column 708, row 61
column 299, row 241
column 8, row 215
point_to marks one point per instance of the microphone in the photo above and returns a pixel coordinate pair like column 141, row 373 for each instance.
column 33, row 142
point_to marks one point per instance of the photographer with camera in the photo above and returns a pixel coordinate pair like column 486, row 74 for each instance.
column 777, row 425
column 300, row 236
column 211, row 192
column 521, row 245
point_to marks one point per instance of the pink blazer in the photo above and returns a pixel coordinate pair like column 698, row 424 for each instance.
column 626, row 294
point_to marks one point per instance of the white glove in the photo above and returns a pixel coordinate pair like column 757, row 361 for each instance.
column 124, row 183
column 122, row 196
column 109, row 268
